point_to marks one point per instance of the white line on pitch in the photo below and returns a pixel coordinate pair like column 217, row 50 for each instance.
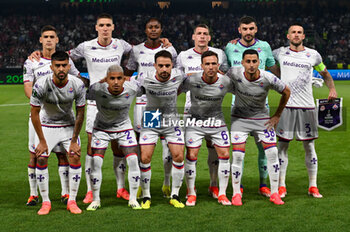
column 19, row 104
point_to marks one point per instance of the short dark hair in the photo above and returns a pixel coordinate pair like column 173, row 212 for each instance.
column 296, row 24
column 104, row 16
column 250, row 52
column 154, row 19
column 48, row 28
column 59, row 56
column 209, row 53
column 163, row 53
column 201, row 25
column 247, row 20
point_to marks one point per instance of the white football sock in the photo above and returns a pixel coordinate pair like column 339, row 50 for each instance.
column 63, row 171
column 88, row 170
column 146, row 174
column 311, row 162
column 42, row 177
column 190, row 174
column 74, row 180
column 213, row 166
column 119, row 167
column 177, row 174
column 236, row 171
column 96, row 177
column 133, row 174
column 32, row 181
column 223, row 174
column 273, row 168
column 167, row 164
column 283, row 161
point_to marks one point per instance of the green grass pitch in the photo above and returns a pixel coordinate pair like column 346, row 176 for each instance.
column 300, row 212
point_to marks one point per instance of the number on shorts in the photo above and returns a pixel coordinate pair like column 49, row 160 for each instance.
column 177, row 129
column 128, row 134
column 270, row 133
column 307, row 128
column 224, row 135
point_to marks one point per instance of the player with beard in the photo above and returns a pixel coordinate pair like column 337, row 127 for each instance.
column 299, row 118
column 142, row 60
column 248, row 28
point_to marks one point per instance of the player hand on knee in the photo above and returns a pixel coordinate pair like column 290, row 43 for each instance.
column 41, row 148
column 74, row 149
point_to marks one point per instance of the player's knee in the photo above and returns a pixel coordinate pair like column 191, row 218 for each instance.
column 62, row 158
column 178, row 157
column 42, row 161
column 74, row 159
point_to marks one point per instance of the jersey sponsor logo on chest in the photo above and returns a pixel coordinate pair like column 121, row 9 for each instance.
column 40, row 74
column 198, row 68
column 144, row 64
column 105, row 60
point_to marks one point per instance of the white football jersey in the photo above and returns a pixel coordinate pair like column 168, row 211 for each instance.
column 250, row 101
column 142, row 59
column 163, row 95
column 56, row 102
column 206, row 99
column 296, row 72
column 33, row 70
column 98, row 57
column 189, row 61
column 113, row 110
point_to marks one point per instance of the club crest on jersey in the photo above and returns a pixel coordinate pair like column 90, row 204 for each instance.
column 144, row 138
column 236, row 137
column 115, row 46
column 281, row 131
column 259, row 49
column 261, row 84
column 308, row 54
column 174, row 79
column 127, row 96
column 221, row 86
column 190, row 141
column 70, row 90
column 97, row 142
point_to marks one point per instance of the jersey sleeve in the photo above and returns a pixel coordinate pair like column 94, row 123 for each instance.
column 319, row 66
column 270, row 61
column 28, row 72
column 81, row 94
column 276, row 53
column 179, row 64
column 127, row 47
column 132, row 62
column 185, row 85
column 78, row 52
column 37, row 94
column 73, row 70
column 228, row 50
column 92, row 91
column 276, row 83
column 174, row 55
column 223, row 62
